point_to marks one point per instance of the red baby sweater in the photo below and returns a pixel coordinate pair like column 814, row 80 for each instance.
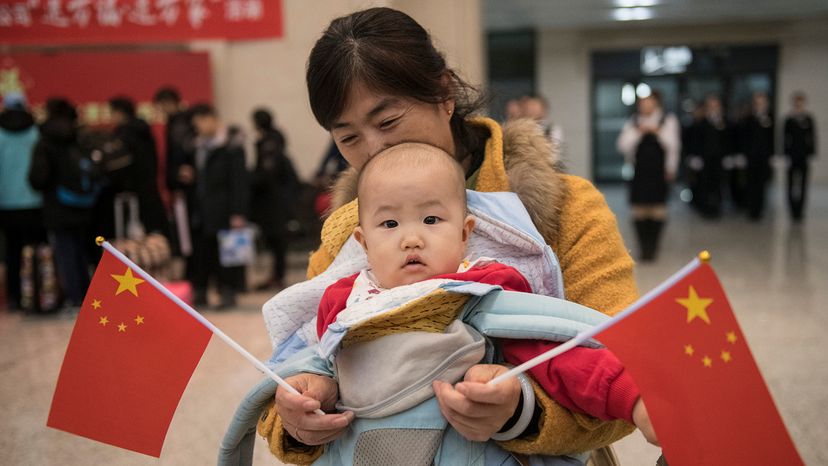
column 584, row 380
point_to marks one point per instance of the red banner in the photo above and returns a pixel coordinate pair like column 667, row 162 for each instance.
column 136, row 21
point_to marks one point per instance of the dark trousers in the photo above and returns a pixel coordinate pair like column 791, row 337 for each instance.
column 20, row 227
column 757, row 179
column 204, row 264
column 277, row 243
column 72, row 260
column 797, row 188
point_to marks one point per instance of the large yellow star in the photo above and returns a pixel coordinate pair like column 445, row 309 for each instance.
column 696, row 307
column 96, row 304
column 127, row 282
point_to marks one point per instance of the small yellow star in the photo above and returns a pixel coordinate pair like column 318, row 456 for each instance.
column 127, row 282
column 103, row 321
column 688, row 350
column 696, row 307
column 96, row 303
column 138, row 320
column 122, row 327
column 726, row 356
column 731, row 337
column 707, row 362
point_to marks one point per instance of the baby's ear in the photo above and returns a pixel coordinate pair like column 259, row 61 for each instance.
column 468, row 226
column 360, row 237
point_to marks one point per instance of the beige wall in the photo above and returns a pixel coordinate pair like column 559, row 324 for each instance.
column 271, row 73
column 564, row 75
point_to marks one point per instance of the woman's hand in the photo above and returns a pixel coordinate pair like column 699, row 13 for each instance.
column 642, row 421
column 475, row 409
column 297, row 411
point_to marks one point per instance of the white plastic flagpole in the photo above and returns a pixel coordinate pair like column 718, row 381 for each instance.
column 186, row 307
column 584, row 336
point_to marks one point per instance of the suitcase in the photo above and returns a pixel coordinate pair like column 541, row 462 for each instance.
column 39, row 289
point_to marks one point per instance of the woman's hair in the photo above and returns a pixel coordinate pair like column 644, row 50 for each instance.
column 386, row 51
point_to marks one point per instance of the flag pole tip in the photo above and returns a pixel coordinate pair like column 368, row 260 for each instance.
column 704, row 256
column 99, row 240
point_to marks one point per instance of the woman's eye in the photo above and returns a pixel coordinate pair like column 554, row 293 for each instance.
column 390, row 224
column 389, row 123
column 430, row 220
column 347, row 140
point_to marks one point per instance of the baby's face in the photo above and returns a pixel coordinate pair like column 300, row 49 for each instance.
column 413, row 225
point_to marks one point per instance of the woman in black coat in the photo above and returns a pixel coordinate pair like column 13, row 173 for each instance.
column 274, row 184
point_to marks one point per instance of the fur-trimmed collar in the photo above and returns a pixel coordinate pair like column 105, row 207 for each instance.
column 532, row 167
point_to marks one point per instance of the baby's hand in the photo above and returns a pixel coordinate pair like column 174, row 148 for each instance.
column 297, row 411
column 642, row 421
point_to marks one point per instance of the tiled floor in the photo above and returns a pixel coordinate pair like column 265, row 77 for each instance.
column 775, row 274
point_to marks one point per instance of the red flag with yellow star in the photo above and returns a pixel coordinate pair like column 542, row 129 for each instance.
column 704, row 393
column 131, row 354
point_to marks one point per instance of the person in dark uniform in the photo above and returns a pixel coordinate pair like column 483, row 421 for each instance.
column 221, row 185
column 756, row 132
column 651, row 141
column 274, row 183
column 712, row 140
column 800, row 147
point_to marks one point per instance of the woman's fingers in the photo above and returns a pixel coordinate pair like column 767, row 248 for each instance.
column 297, row 410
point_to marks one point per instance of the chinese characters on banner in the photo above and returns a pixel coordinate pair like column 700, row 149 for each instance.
column 133, row 21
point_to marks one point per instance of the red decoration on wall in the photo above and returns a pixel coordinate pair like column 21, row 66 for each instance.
column 45, row 22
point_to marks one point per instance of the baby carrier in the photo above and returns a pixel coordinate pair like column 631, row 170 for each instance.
column 503, row 230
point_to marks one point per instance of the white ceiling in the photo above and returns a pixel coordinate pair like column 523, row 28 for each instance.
column 559, row 14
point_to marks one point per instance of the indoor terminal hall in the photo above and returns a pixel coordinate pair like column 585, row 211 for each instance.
column 403, row 233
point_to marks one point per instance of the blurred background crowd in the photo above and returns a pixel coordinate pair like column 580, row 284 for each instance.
column 65, row 182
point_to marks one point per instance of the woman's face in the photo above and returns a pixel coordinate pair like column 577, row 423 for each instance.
column 371, row 122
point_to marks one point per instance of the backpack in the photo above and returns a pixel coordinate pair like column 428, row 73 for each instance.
column 79, row 180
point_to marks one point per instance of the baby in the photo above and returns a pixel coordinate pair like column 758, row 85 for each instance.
column 414, row 227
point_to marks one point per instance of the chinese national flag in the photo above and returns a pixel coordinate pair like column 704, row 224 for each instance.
column 132, row 353
column 705, row 396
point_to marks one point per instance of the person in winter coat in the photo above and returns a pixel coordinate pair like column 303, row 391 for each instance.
column 69, row 181
column 756, row 132
column 140, row 175
column 651, row 141
column 221, row 186
column 712, row 141
column 800, row 147
column 273, row 184
column 375, row 80
column 20, row 205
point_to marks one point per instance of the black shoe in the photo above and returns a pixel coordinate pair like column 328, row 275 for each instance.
column 228, row 300
column 200, row 298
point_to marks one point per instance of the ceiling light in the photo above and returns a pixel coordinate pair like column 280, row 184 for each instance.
column 632, row 14
column 635, row 3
